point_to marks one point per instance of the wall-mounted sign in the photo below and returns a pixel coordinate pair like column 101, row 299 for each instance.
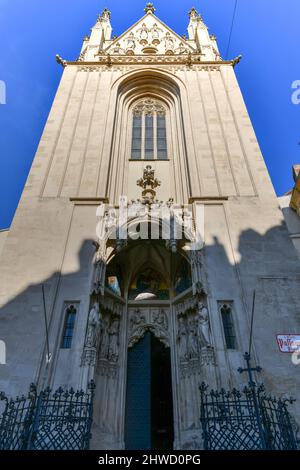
column 288, row 343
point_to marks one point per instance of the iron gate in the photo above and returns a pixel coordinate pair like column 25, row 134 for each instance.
column 247, row 420
column 47, row 421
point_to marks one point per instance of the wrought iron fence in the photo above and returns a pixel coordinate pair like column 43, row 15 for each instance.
column 245, row 420
column 47, row 421
column 16, row 420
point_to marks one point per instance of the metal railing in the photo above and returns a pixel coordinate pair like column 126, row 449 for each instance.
column 47, row 420
column 245, row 420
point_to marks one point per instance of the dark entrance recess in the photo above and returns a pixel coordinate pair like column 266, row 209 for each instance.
column 149, row 406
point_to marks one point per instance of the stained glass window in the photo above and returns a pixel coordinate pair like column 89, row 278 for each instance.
column 149, row 132
column 229, row 331
column 69, row 325
column 136, row 138
column 161, row 138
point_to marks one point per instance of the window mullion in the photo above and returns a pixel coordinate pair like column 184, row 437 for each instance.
column 155, row 136
column 143, row 137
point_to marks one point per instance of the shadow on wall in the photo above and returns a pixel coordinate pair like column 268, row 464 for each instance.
column 22, row 322
column 267, row 263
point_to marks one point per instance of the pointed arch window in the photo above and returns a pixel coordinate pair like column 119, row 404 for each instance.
column 149, row 131
column 69, row 325
column 228, row 325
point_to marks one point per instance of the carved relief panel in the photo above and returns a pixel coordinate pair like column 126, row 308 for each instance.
column 109, row 343
column 196, row 364
column 194, row 343
column 154, row 319
column 150, row 36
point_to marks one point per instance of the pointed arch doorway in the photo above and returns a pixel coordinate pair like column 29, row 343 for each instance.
column 146, row 399
column 149, row 403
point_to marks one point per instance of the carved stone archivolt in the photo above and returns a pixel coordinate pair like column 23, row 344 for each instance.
column 154, row 320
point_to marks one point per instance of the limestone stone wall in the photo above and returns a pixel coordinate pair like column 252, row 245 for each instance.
column 85, row 146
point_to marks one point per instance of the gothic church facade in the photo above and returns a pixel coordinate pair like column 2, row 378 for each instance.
column 148, row 121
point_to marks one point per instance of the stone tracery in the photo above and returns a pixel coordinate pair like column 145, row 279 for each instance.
column 149, row 106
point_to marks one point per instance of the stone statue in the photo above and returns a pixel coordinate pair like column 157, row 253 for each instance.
column 198, row 287
column 93, row 328
column 182, row 339
column 169, row 42
column 155, row 32
column 192, row 339
column 161, row 319
column 144, row 32
column 131, row 41
column 203, row 325
column 104, row 342
column 137, row 319
column 99, row 274
column 110, row 218
column 113, row 332
column 117, row 49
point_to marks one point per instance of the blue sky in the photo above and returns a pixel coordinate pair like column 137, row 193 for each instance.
column 266, row 33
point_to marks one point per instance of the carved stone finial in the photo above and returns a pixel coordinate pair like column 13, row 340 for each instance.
column 149, row 8
column 193, row 13
column 148, row 183
column 105, row 14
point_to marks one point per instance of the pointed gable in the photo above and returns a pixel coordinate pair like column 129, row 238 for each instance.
column 149, row 36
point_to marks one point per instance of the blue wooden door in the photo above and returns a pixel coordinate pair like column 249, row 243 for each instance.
column 138, row 396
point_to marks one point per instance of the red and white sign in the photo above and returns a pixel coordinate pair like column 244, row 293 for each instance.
column 288, row 343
